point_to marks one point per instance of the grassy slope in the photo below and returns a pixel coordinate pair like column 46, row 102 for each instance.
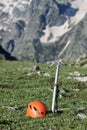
column 18, row 89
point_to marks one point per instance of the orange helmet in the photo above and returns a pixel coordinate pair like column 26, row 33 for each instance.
column 36, row 109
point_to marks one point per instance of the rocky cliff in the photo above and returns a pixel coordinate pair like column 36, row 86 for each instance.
column 43, row 30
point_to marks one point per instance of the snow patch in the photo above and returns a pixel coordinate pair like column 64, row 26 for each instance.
column 58, row 31
column 10, row 4
column 82, row 10
column 67, row 44
column 25, row 1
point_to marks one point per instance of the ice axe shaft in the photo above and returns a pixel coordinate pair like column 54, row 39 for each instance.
column 56, row 89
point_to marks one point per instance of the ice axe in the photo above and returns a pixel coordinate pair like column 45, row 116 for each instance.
column 54, row 107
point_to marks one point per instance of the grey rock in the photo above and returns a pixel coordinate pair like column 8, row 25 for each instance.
column 81, row 116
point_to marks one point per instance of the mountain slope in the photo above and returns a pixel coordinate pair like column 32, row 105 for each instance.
column 39, row 30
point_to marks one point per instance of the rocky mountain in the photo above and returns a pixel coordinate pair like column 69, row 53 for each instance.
column 43, row 30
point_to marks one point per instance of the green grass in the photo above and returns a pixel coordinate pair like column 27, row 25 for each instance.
column 17, row 88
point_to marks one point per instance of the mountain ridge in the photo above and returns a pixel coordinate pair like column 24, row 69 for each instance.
column 43, row 30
